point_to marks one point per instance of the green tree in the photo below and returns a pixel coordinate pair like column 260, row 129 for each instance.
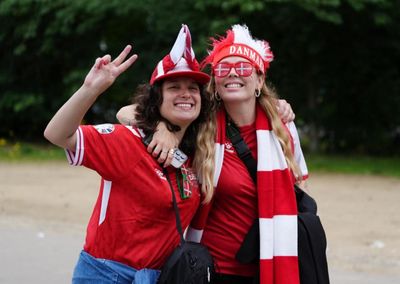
column 334, row 59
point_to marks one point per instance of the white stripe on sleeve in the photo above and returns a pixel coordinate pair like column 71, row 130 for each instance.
column 76, row 158
column 298, row 152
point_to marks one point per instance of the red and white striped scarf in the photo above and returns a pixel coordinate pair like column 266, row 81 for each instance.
column 276, row 202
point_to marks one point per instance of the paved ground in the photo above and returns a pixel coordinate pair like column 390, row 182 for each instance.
column 44, row 208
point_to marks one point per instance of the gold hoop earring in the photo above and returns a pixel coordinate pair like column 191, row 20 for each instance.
column 216, row 96
column 258, row 93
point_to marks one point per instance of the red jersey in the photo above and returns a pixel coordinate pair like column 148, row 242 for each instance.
column 233, row 210
column 235, row 205
column 133, row 220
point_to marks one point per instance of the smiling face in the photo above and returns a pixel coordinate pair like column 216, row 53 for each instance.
column 181, row 101
column 234, row 88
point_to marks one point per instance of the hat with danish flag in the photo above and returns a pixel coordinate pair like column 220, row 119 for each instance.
column 239, row 42
column 180, row 62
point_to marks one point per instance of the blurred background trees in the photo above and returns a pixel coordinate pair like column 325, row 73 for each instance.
column 336, row 61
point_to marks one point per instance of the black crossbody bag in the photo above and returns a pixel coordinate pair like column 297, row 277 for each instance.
column 190, row 262
column 312, row 259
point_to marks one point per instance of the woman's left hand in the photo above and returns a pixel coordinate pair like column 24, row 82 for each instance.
column 162, row 143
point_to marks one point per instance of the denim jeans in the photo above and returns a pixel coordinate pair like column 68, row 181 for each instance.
column 91, row 270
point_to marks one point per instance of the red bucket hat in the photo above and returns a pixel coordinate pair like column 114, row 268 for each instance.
column 180, row 62
column 239, row 42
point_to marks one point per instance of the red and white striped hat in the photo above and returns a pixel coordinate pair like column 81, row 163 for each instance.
column 239, row 42
column 180, row 62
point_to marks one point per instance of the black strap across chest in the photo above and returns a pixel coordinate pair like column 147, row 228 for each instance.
column 241, row 148
column 177, row 215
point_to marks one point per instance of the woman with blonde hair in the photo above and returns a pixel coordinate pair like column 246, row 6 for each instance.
column 247, row 106
column 239, row 64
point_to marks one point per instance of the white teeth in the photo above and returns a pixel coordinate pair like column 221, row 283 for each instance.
column 233, row 85
column 184, row 105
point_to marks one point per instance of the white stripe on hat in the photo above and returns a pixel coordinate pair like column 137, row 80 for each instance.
column 182, row 65
column 179, row 46
column 160, row 69
column 173, row 63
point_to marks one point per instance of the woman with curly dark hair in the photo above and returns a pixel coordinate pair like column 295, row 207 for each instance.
column 132, row 229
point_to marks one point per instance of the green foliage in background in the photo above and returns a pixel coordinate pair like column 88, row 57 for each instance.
column 25, row 152
column 20, row 152
column 353, row 164
column 335, row 60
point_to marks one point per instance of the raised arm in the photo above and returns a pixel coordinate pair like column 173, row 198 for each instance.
column 61, row 129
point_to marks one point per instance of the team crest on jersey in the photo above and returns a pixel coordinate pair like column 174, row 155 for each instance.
column 229, row 147
column 105, row 128
column 191, row 175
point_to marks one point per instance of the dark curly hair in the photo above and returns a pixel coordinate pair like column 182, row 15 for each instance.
column 148, row 100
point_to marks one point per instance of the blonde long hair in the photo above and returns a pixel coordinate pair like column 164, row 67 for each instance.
column 267, row 100
column 203, row 161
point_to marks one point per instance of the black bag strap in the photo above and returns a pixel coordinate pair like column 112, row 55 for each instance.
column 177, row 215
column 242, row 149
column 249, row 249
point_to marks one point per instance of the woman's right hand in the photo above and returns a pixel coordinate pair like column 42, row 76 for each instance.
column 104, row 71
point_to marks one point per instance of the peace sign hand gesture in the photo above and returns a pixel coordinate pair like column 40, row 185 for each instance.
column 104, row 71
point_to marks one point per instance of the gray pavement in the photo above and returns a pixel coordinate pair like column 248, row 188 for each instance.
column 36, row 254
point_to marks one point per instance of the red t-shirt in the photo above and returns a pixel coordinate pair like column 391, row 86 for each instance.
column 133, row 220
column 234, row 209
